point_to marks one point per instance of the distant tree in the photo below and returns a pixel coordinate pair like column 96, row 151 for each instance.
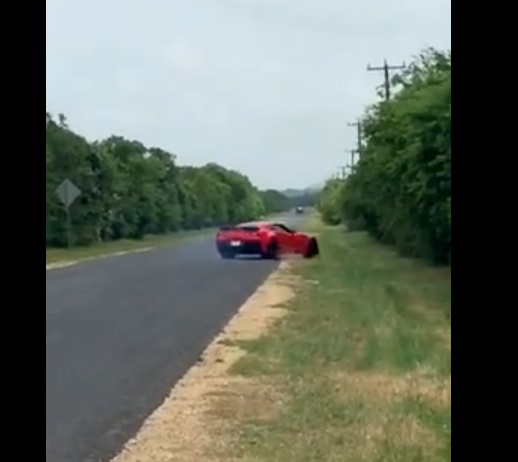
column 130, row 190
column 400, row 191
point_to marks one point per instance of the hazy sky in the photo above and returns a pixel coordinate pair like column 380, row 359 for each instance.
column 262, row 86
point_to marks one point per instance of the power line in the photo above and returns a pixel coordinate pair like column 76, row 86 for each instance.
column 386, row 71
column 341, row 172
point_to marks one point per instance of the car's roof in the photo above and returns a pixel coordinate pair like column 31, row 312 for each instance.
column 254, row 223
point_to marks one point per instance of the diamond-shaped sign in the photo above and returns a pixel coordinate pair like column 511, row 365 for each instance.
column 67, row 192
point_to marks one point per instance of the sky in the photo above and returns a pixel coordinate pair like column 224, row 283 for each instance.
column 266, row 87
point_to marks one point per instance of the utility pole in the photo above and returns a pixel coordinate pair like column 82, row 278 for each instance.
column 353, row 153
column 352, row 157
column 358, row 126
column 386, row 71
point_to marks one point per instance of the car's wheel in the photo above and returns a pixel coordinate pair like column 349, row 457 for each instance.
column 317, row 248
column 272, row 251
column 227, row 255
column 312, row 249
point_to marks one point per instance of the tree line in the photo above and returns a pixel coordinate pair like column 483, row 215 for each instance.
column 400, row 189
column 130, row 190
column 279, row 201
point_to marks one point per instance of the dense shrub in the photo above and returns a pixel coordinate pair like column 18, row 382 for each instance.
column 329, row 204
column 400, row 190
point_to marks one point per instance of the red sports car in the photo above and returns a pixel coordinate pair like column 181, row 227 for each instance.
column 267, row 239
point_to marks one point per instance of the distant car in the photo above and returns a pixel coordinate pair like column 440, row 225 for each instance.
column 299, row 210
column 267, row 239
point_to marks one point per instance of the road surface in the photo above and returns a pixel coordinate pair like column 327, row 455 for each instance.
column 121, row 331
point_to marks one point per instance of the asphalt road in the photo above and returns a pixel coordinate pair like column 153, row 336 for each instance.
column 121, row 331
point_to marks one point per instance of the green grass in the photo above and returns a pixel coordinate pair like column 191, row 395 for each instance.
column 107, row 248
column 362, row 361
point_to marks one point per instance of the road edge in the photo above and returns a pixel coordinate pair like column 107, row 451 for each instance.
column 65, row 264
column 178, row 429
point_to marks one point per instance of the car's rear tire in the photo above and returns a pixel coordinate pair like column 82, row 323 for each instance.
column 312, row 249
column 272, row 251
column 227, row 255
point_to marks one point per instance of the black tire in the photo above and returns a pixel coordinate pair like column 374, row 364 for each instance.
column 272, row 252
column 312, row 250
column 227, row 256
column 317, row 248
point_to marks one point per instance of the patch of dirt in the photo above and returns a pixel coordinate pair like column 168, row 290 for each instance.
column 382, row 424
column 444, row 335
column 386, row 388
column 242, row 400
column 193, row 423
column 368, row 440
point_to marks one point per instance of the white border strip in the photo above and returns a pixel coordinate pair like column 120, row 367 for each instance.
column 65, row 264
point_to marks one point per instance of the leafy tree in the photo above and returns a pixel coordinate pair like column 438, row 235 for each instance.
column 400, row 191
column 130, row 190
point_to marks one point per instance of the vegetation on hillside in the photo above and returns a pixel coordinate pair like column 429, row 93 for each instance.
column 130, row 190
column 302, row 197
column 278, row 201
column 275, row 201
column 400, row 190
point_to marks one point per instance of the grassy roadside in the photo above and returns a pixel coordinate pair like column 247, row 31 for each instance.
column 107, row 248
column 359, row 370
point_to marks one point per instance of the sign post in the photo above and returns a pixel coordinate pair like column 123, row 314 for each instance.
column 67, row 193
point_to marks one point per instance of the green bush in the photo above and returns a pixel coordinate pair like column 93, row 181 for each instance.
column 400, row 190
column 329, row 203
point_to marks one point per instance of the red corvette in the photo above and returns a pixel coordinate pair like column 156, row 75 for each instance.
column 269, row 240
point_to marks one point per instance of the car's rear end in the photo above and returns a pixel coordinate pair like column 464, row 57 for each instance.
column 239, row 240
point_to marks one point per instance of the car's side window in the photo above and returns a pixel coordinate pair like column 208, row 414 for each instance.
column 281, row 228
column 277, row 229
